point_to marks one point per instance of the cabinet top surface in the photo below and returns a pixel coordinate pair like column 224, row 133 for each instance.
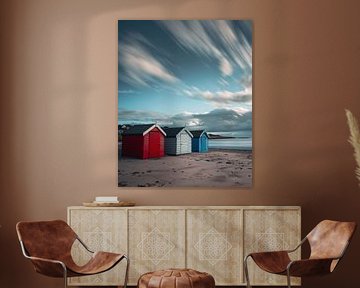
column 192, row 207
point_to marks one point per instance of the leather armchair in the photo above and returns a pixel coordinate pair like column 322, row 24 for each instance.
column 48, row 246
column 328, row 242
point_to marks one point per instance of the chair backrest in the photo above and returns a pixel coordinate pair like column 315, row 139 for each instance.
column 329, row 239
column 46, row 239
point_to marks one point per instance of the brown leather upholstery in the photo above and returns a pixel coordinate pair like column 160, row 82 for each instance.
column 53, row 240
column 272, row 262
column 176, row 278
column 328, row 242
column 329, row 238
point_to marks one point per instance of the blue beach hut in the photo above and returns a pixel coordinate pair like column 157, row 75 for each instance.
column 199, row 141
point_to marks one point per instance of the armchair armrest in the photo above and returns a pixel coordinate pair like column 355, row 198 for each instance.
column 309, row 267
column 278, row 252
column 271, row 261
column 298, row 246
column 84, row 245
column 49, row 267
column 268, row 253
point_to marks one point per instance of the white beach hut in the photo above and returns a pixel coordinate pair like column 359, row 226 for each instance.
column 177, row 141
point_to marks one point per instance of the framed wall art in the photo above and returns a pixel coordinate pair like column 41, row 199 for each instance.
column 185, row 103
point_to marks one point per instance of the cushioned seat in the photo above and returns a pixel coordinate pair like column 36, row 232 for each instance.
column 176, row 278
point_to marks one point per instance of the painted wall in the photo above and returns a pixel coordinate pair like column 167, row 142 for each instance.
column 58, row 114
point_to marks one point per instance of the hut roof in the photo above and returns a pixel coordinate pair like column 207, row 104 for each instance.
column 198, row 133
column 173, row 131
column 142, row 129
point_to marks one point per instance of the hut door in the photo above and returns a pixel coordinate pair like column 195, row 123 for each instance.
column 203, row 144
column 184, row 144
column 154, row 144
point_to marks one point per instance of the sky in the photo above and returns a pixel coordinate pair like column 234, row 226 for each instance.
column 189, row 73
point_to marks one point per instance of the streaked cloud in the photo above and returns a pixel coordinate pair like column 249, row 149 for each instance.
column 203, row 67
column 191, row 35
column 141, row 67
column 225, row 120
column 126, row 92
column 225, row 67
column 222, row 96
column 235, row 42
column 141, row 116
column 246, row 80
column 197, row 36
column 223, row 82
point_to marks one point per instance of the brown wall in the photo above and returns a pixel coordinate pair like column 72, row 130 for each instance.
column 58, row 113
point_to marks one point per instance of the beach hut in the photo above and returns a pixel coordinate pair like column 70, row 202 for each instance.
column 143, row 141
column 199, row 141
column 177, row 141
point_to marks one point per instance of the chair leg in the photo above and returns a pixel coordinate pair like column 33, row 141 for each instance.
column 126, row 271
column 288, row 278
column 65, row 277
column 246, row 272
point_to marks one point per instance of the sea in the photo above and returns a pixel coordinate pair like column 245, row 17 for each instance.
column 242, row 140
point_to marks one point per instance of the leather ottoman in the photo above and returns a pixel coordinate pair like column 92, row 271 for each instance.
column 176, row 278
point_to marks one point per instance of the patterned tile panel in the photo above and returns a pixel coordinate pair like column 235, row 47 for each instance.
column 100, row 230
column 270, row 230
column 155, row 246
column 214, row 241
column 156, row 241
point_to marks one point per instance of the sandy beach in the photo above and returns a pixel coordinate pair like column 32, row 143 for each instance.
column 216, row 168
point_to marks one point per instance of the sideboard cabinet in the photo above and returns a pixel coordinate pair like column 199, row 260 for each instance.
column 211, row 239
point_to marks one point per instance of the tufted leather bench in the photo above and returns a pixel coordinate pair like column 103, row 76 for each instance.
column 176, row 278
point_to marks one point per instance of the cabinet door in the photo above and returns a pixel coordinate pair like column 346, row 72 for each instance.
column 214, row 244
column 270, row 230
column 100, row 230
column 156, row 240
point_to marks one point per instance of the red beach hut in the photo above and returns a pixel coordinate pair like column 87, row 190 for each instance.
column 143, row 141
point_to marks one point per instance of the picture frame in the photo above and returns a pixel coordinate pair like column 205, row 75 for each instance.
column 185, row 103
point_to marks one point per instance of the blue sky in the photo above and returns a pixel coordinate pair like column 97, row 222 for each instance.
column 186, row 73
